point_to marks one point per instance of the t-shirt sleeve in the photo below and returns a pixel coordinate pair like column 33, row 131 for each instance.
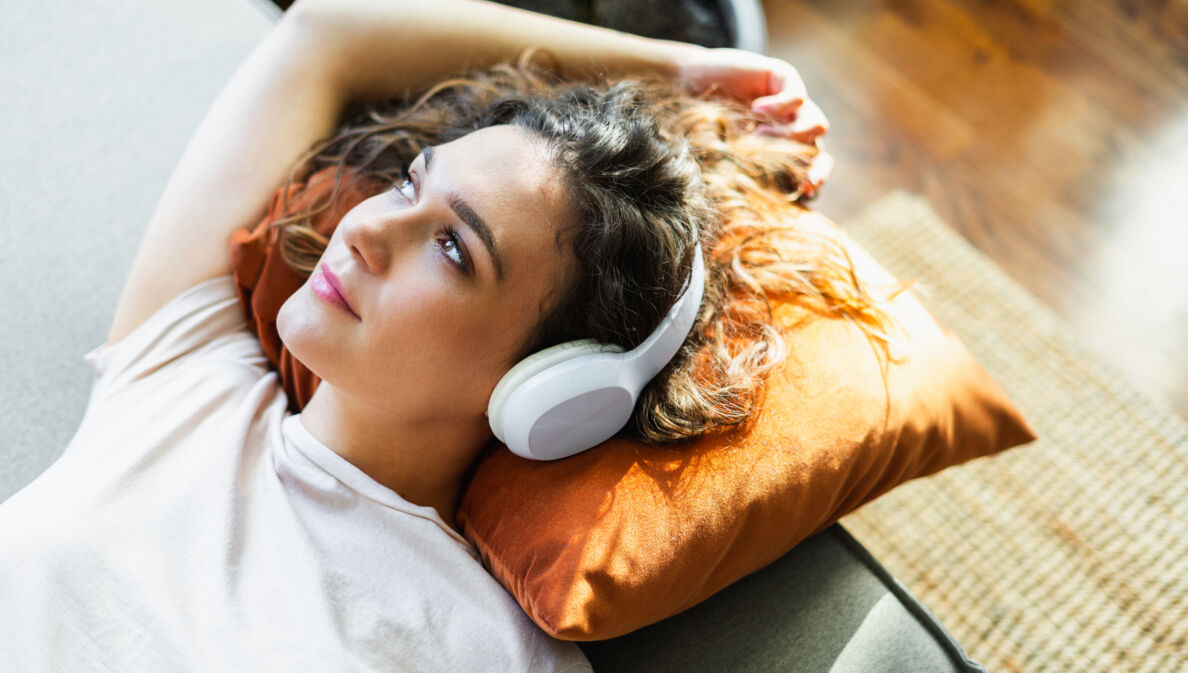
column 203, row 322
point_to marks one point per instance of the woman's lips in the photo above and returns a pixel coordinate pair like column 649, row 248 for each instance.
column 327, row 286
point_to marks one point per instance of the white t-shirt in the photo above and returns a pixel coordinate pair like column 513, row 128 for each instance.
column 194, row 525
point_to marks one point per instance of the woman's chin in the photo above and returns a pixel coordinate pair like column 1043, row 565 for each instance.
column 307, row 339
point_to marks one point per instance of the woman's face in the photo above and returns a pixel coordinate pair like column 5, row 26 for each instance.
column 426, row 292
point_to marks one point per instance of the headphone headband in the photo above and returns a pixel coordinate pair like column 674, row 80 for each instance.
column 663, row 343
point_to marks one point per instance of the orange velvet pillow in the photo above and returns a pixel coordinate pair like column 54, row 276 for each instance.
column 627, row 534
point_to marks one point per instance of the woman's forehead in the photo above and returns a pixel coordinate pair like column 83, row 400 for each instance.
column 506, row 177
column 504, row 155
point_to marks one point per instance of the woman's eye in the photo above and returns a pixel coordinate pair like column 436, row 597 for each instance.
column 448, row 240
column 405, row 187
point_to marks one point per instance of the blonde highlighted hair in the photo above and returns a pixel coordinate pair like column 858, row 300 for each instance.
column 651, row 172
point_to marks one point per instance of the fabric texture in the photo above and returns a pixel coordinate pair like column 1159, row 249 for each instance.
column 623, row 536
column 193, row 524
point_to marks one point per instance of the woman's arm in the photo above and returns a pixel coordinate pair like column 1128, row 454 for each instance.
column 292, row 89
column 408, row 45
column 435, row 41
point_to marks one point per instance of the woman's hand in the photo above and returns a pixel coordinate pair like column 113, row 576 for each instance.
column 773, row 89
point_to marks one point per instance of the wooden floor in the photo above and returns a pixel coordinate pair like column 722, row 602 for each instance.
column 1053, row 135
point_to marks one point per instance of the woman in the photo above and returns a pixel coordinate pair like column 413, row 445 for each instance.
column 192, row 524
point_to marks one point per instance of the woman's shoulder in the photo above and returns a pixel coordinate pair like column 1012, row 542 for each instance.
column 203, row 323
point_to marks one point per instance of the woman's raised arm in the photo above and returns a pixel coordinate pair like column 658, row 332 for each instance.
column 293, row 88
column 383, row 48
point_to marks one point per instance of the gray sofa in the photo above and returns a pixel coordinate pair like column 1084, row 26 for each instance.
column 100, row 99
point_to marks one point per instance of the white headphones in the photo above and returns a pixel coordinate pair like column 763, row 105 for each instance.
column 576, row 395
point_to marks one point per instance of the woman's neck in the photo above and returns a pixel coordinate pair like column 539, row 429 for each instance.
column 423, row 461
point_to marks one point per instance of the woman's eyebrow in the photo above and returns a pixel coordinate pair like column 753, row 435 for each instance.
column 471, row 218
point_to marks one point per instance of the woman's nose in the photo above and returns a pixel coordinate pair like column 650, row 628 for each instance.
column 373, row 240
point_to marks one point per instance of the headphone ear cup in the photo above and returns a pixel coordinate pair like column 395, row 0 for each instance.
column 568, row 398
column 529, row 367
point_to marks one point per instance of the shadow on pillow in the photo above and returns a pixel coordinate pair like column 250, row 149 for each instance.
column 619, row 537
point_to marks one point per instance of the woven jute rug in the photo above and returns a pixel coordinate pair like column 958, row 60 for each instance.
column 1070, row 553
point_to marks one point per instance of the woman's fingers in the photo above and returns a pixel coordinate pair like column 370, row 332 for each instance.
column 793, row 114
column 808, row 125
column 786, row 93
column 820, row 170
column 772, row 87
column 778, row 107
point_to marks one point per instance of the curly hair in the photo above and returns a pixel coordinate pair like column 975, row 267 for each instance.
column 650, row 172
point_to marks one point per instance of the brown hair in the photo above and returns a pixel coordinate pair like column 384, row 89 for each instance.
column 650, row 173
